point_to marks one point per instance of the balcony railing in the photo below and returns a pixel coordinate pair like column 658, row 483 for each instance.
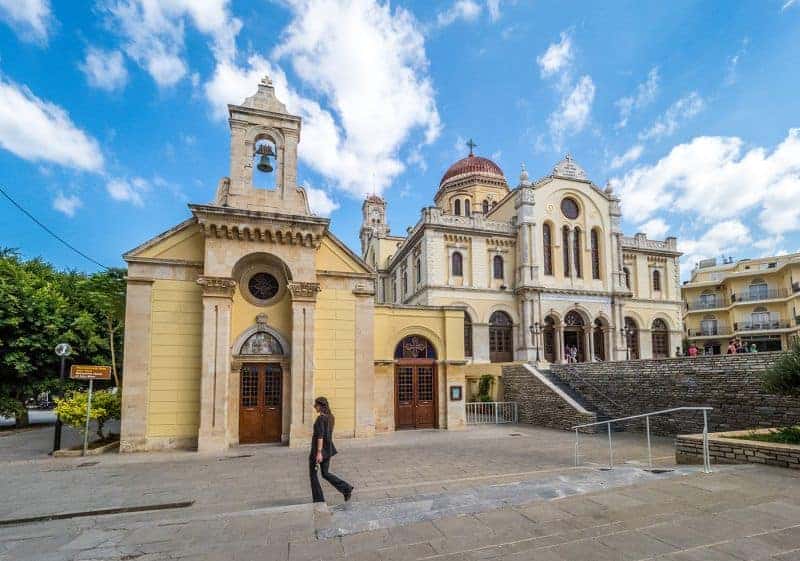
column 755, row 295
column 761, row 325
column 710, row 331
column 707, row 304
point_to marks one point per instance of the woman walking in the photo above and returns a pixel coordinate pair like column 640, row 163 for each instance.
column 322, row 450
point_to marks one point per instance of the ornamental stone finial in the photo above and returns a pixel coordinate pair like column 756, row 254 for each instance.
column 523, row 176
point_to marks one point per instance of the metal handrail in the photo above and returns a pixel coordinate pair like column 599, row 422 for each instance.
column 705, row 410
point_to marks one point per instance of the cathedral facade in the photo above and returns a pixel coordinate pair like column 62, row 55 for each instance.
column 239, row 316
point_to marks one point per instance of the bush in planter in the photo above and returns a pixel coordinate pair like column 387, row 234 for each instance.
column 106, row 405
column 784, row 376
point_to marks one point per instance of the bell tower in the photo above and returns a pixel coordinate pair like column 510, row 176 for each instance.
column 373, row 221
column 264, row 138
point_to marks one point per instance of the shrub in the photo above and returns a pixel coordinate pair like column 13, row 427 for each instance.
column 784, row 376
column 106, row 405
column 485, row 388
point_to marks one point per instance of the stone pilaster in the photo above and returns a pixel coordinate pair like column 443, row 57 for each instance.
column 216, row 363
column 304, row 303
column 136, row 366
column 365, row 364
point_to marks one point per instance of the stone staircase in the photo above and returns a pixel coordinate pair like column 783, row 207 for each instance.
column 587, row 403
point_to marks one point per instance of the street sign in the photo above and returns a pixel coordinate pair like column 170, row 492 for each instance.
column 87, row 372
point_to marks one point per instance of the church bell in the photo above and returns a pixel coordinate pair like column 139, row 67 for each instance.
column 264, row 165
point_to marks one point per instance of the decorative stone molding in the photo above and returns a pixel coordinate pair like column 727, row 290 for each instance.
column 217, row 286
column 304, row 290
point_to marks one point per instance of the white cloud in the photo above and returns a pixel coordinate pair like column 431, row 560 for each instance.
column 37, row 130
column 714, row 178
column 682, row 110
column 655, row 229
column 67, row 204
column 494, row 9
column 728, row 236
column 128, row 190
column 320, row 202
column 32, row 20
column 733, row 63
column 573, row 112
column 645, row 93
column 105, row 69
column 557, row 57
column 789, row 4
column 467, row 10
column 631, row 155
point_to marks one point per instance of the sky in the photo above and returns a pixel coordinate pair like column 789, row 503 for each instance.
column 113, row 113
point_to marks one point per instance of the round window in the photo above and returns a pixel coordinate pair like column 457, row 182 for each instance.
column 570, row 208
column 263, row 286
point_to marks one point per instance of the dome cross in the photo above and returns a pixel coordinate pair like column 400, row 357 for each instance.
column 471, row 145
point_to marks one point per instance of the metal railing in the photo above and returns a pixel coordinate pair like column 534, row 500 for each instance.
column 719, row 329
column 759, row 294
column 719, row 302
column 749, row 325
column 491, row 412
column 646, row 416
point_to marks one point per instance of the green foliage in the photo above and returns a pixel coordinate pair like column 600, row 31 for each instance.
column 784, row 376
column 10, row 407
column 106, row 405
column 41, row 307
column 485, row 388
column 785, row 435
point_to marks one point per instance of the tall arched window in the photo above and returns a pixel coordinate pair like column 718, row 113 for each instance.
column 497, row 267
column 457, row 207
column 457, row 264
column 500, row 328
column 656, row 280
column 405, row 283
column 565, row 249
column 547, row 242
column 467, row 335
column 485, row 206
column 627, row 273
column 419, row 271
column 467, row 210
column 595, row 241
column 660, row 338
column 576, row 252
column 632, row 337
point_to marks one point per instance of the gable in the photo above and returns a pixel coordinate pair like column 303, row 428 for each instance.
column 184, row 242
column 333, row 255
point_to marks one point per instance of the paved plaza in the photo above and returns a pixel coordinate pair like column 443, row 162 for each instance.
column 498, row 492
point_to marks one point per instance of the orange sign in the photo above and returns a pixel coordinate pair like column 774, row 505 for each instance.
column 86, row 372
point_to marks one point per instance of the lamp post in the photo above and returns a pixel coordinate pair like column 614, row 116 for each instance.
column 535, row 334
column 62, row 350
column 626, row 333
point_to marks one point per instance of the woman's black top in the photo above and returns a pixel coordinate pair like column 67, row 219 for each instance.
column 323, row 428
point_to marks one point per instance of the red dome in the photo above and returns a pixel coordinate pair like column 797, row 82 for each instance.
column 472, row 164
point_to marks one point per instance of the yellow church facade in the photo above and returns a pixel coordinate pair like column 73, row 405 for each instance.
column 240, row 316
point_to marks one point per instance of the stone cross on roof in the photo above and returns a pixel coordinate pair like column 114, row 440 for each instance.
column 471, row 145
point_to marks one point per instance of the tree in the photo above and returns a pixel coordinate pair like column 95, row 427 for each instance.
column 105, row 406
column 784, row 376
column 106, row 295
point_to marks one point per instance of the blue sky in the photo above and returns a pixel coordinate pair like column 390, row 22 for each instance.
column 112, row 114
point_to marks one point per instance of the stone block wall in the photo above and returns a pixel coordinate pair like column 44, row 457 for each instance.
column 722, row 450
column 539, row 402
column 731, row 384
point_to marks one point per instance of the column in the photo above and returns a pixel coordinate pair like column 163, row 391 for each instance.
column 560, row 343
column 304, row 303
column 136, row 366
column 216, row 363
column 587, row 336
column 365, row 362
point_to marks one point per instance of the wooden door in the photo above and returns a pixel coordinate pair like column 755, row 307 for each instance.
column 415, row 396
column 260, row 403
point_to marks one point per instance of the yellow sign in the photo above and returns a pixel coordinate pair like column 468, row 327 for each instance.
column 87, row 372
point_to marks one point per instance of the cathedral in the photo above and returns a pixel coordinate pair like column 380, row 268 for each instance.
column 239, row 316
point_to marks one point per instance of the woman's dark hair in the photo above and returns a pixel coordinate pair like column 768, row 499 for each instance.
column 325, row 408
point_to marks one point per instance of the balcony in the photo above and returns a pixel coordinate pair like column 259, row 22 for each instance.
column 710, row 331
column 718, row 302
column 761, row 325
column 756, row 295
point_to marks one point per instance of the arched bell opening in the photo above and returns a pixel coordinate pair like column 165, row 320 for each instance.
column 264, row 162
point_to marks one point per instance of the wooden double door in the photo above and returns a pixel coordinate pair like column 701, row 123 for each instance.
column 415, row 395
column 260, row 403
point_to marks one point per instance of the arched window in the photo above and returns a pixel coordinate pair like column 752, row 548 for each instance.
column 598, row 340
column 547, row 242
column 632, row 338
column 577, row 255
column 595, row 241
column 457, row 207
column 485, row 206
column 415, row 347
column 549, row 339
column 656, row 280
column 660, row 337
column 261, row 343
column 565, row 249
column 405, row 283
column 419, row 271
column 467, row 210
column 497, row 267
column 457, row 264
column 627, row 273
column 500, row 330
column 467, row 335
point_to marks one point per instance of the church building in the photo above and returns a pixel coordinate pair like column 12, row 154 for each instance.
column 238, row 317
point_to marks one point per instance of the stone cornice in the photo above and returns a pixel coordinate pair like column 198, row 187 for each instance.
column 163, row 261
column 260, row 226
column 306, row 291
column 223, row 287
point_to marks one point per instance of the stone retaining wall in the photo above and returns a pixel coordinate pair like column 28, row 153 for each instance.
column 722, row 450
column 731, row 384
column 539, row 402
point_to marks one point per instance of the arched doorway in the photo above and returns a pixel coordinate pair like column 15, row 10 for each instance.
column 632, row 338
column 598, row 340
column 415, row 383
column 549, row 339
column 261, row 389
column 660, row 337
column 500, row 338
column 573, row 337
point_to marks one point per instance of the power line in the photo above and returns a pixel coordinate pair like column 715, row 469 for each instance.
column 49, row 231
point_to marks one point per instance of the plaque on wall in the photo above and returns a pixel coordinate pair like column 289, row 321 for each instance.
column 456, row 393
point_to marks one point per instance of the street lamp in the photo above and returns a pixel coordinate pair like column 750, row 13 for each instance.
column 626, row 333
column 535, row 331
column 62, row 350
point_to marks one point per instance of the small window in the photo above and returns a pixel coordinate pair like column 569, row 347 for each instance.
column 457, row 207
column 405, row 283
column 570, row 208
column 467, row 335
column 458, row 264
column 467, row 210
column 565, row 249
column 485, row 206
column 657, row 281
column 627, row 273
column 497, row 266
column 548, row 249
column 419, row 271
column 595, row 254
